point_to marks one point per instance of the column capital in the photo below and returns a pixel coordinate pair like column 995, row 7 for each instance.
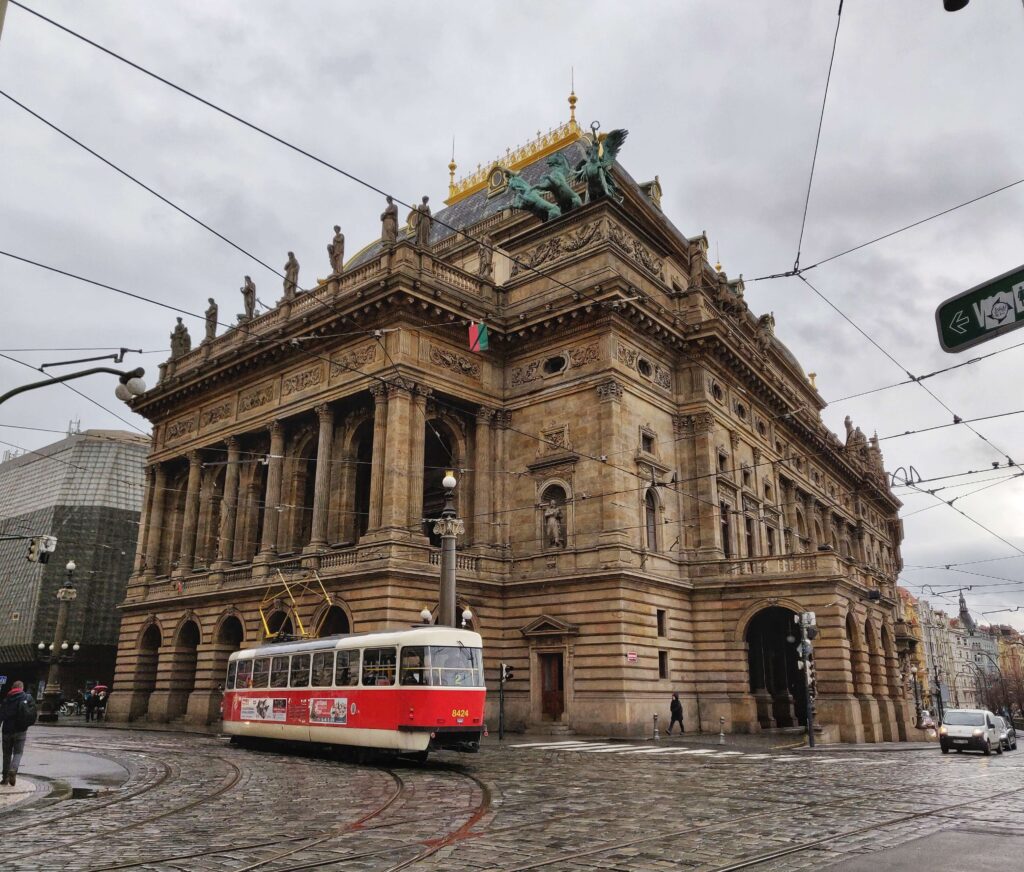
column 276, row 427
column 609, row 390
column 232, row 442
column 503, row 418
column 324, row 413
column 195, row 458
column 684, row 426
column 380, row 392
column 485, row 414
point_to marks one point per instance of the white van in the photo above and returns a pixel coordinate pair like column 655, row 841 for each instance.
column 969, row 729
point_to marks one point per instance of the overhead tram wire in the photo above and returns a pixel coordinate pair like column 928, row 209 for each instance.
column 817, row 138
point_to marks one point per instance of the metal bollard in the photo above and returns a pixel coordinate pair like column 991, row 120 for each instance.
column 656, row 736
column 721, row 731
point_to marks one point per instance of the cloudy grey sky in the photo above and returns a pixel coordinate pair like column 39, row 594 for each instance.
column 721, row 98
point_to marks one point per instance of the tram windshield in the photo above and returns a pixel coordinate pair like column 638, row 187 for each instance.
column 455, row 666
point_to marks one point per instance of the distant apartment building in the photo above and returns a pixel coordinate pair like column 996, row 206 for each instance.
column 86, row 490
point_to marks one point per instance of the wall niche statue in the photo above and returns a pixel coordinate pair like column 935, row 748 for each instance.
column 553, row 508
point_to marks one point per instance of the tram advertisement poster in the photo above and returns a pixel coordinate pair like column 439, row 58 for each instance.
column 264, row 709
column 328, row 711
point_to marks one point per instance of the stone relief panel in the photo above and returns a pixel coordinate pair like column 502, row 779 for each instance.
column 344, row 363
column 555, row 439
column 453, row 362
column 181, row 429
column 556, row 362
column 648, row 369
column 557, row 247
column 212, row 415
column 252, row 400
column 300, row 381
column 634, row 249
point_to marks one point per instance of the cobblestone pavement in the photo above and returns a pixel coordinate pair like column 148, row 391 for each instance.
column 193, row 802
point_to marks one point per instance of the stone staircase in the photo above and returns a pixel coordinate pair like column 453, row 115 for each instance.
column 554, row 728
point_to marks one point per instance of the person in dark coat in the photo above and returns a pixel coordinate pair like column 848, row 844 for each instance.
column 676, row 710
column 14, row 730
column 90, row 705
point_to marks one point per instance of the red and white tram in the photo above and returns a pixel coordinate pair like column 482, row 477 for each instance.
column 409, row 691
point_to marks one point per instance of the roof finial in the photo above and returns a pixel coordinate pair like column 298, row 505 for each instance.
column 718, row 260
column 572, row 96
column 451, row 171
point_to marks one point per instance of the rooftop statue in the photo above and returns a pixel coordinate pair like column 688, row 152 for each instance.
column 248, row 299
column 596, row 169
column 529, row 198
column 389, row 223
column 558, row 180
column 181, row 342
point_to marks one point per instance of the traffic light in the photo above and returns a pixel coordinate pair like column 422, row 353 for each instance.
column 506, row 673
column 33, row 551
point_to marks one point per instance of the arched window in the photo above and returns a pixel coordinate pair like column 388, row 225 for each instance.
column 553, row 513
column 651, row 520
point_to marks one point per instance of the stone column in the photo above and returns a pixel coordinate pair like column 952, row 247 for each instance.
column 704, row 487
column 147, row 509
column 483, row 483
column 189, row 524
column 380, row 429
column 502, row 421
column 156, row 519
column 322, row 484
column 229, row 506
column 810, row 516
column 417, row 427
column 614, row 522
column 395, row 504
column 272, row 498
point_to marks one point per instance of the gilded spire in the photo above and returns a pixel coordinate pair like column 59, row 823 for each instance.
column 572, row 96
column 451, row 171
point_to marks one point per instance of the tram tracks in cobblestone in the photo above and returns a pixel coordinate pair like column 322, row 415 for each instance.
column 732, row 822
column 234, row 776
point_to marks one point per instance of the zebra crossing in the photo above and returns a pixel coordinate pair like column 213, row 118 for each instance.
column 666, row 750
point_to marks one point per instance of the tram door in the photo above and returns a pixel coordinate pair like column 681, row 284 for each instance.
column 552, row 692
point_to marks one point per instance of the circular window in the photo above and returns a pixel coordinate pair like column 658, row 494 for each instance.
column 555, row 364
column 716, row 391
column 643, row 365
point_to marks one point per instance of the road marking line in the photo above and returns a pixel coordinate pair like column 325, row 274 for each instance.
column 548, row 744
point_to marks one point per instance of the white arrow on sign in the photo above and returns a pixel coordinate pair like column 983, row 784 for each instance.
column 959, row 322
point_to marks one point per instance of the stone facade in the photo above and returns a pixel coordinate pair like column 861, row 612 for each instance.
column 648, row 489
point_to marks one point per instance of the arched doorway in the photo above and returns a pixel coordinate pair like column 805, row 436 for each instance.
column 182, row 679
column 145, row 670
column 229, row 639
column 279, row 625
column 776, row 681
column 334, row 623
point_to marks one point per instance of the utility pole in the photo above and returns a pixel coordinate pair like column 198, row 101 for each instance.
column 448, row 527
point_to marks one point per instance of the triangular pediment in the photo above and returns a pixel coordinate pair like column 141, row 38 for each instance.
column 545, row 625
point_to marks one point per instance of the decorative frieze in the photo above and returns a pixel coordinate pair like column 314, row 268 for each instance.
column 346, row 362
column 253, row 399
column 653, row 372
column 632, row 247
column 556, row 247
column 211, row 415
column 609, row 390
column 302, row 380
column 571, row 358
column 454, row 362
column 180, row 429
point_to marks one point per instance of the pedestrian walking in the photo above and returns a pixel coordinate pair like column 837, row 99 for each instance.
column 17, row 714
column 101, row 706
column 676, row 710
column 90, row 705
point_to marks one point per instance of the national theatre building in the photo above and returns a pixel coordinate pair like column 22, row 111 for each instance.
column 648, row 491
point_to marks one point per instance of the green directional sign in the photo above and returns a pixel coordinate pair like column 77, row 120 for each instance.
column 984, row 312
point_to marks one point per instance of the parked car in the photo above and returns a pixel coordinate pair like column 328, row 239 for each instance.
column 1007, row 734
column 970, row 729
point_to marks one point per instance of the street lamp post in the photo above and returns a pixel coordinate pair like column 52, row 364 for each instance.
column 66, row 594
column 448, row 527
column 938, row 692
column 917, row 697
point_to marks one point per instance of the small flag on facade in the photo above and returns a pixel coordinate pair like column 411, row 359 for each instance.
column 477, row 336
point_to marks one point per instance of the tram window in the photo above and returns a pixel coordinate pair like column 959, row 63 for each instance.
column 323, row 668
column 230, row 683
column 414, row 661
column 378, row 667
column 300, row 671
column 346, row 673
column 279, row 672
column 244, row 678
column 261, row 672
column 456, row 666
